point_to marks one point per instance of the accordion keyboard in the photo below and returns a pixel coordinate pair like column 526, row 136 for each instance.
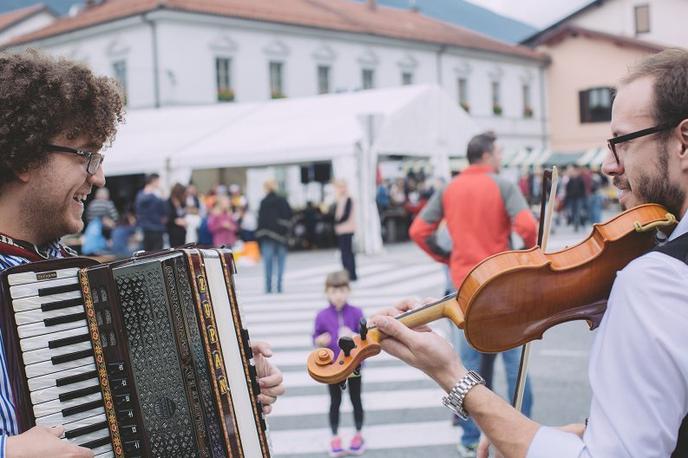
column 58, row 357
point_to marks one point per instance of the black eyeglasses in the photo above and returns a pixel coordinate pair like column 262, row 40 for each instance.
column 612, row 142
column 94, row 159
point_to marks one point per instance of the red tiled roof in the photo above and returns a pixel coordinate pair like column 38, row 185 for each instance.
column 339, row 15
column 562, row 32
column 13, row 17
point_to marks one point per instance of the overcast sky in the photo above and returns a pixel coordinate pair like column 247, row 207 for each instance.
column 538, row 13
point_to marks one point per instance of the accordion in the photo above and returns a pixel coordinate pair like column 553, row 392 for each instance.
column 145, row 357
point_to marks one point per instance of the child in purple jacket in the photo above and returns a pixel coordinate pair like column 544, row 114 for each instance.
column 337, row 320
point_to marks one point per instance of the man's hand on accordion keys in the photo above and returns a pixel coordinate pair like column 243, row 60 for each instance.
column 269, row 377
column 41, row 441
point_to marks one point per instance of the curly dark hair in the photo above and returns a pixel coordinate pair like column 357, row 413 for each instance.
column 42, row 97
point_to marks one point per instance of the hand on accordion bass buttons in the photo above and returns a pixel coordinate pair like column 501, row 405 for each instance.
column 269, row 377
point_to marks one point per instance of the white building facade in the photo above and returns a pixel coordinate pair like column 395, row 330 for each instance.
column 166, row 57
column 656, row 21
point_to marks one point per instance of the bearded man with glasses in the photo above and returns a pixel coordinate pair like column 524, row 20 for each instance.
column 638, row 367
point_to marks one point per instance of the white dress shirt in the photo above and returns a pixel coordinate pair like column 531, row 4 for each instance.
column 638, row 367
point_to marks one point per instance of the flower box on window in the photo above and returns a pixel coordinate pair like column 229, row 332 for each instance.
column 497, row 110
column 277, row 95
column 225, row 95
column 528, row 112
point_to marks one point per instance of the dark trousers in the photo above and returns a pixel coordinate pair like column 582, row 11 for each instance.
column 346, row 249
column 354, row 389
column 152, row 240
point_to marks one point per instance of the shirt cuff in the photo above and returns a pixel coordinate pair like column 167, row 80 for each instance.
column 550, row 442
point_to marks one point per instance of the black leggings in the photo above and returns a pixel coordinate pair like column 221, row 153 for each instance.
column 354, row 389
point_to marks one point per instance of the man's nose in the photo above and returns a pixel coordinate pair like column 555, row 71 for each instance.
column 98, row 178
column 610, row 166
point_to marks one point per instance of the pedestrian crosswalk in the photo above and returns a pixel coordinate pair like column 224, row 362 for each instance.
column 404, row 416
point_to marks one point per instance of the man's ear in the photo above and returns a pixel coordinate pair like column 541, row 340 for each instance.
column 683, row 155
column 24, row 176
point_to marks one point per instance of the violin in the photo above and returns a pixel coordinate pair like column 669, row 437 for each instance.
column 514, row 297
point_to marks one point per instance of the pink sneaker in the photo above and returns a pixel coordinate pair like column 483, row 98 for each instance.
column 357, row 446
column 336, row 449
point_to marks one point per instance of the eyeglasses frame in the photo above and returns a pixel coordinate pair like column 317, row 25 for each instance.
column 88, row 155
column 612, row 142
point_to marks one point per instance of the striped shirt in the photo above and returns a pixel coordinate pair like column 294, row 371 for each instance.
column 8, row 418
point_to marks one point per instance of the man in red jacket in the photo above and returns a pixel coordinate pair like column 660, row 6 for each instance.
column 480, row 209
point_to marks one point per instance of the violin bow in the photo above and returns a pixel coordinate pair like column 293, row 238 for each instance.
column 546, row 212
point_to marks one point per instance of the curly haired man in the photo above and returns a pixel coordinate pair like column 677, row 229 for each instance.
column 55, row 117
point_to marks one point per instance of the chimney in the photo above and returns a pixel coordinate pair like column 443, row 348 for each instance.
column 372, row 5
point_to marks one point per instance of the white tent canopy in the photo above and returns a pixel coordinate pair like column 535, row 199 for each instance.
column 412, row 120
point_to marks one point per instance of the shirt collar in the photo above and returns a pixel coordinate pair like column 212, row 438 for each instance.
column 478, row 168
column 681, row 228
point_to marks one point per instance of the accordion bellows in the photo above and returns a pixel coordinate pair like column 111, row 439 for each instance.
column 145, row 357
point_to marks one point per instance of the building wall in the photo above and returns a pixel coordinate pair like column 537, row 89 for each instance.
column 187, row 45
column 580, row 63
column 618, row 17
column 31, row 24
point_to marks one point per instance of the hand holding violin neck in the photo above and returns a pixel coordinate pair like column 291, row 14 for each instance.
column 324, row 368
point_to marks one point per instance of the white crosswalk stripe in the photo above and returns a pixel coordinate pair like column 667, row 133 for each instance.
column 407, row 415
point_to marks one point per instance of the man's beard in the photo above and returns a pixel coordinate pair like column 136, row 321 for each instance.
column 658, row 189
column 45, row 219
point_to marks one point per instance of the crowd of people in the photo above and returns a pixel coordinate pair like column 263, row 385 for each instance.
column 581, row 196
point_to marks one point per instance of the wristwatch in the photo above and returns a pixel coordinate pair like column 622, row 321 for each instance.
column 454, row 399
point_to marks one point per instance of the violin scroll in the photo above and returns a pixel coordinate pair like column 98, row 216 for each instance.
column 323, row 367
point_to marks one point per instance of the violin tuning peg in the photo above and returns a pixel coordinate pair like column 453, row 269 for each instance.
column 346, row 344
column 363, row 329
column 357, row 371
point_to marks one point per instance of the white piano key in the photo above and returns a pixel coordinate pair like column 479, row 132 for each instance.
column 85, row 422
column 38, row 329
column 50, row 394
column 38, row 342
column 35, row 302
column 47, row 367
column 46, row 381
column 91, row 437
column 52, row 407
column 103, row 451
column 31, row 289
column 109, row 454
column 44, row 354
column 33, row 277
column 38, row 315
column 57, row 418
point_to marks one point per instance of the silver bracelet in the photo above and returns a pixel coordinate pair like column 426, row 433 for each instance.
column 454, row 399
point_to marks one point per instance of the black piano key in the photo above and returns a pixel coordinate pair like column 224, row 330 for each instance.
column 86, row 429
column 71, row 356
column 76, row 378
column 57, row 305
column 59, row 289
column 69, row 341
column 82, row 408
column 97, row 443
column 79, row 393
column 65, row 319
